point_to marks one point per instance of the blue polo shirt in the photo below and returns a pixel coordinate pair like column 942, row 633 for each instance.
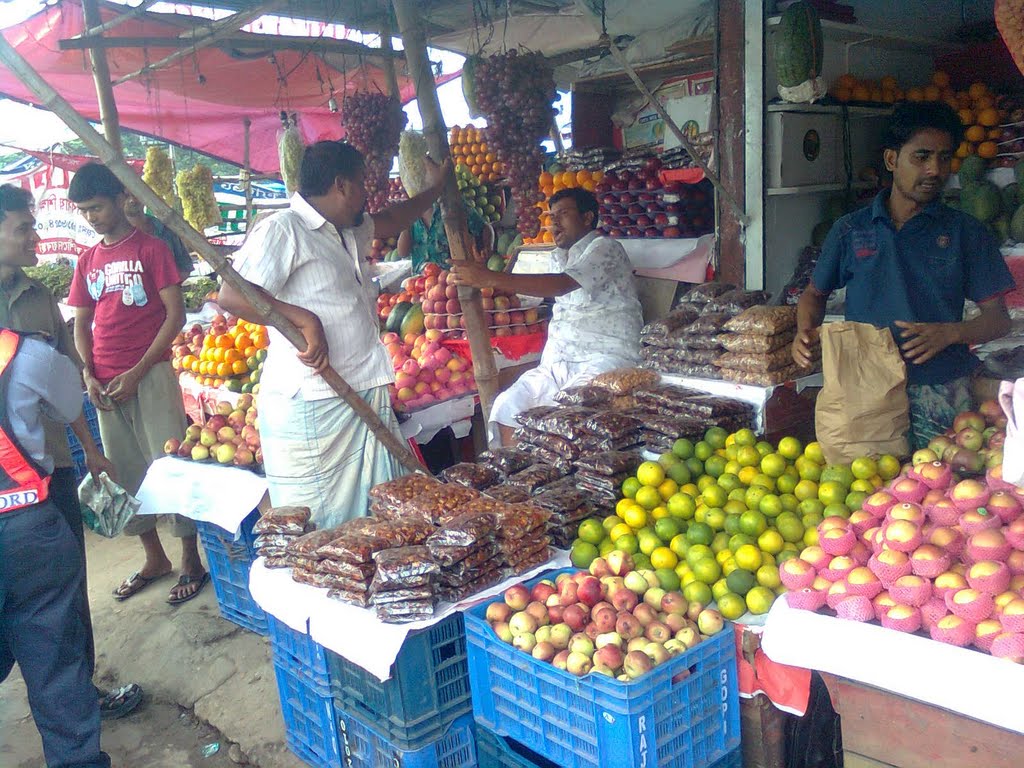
column 921, row 273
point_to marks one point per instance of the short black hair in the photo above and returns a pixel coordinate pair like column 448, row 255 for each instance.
column 94, row 180
column 14, row 200
column 326, row 161
column 585, row 201
column 909, row 117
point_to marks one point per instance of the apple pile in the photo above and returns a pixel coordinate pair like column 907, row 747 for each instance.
column 442, row 310
column 426, row 372
column 610, row 620
column 929, row 552
column 230, row 436
column 637, row 204
column 974, row 443
column 382, row 247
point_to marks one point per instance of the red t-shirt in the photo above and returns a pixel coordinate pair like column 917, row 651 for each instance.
column 123, row 283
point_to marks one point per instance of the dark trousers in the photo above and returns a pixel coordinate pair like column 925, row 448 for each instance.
column 41, row 628
column 64, row 495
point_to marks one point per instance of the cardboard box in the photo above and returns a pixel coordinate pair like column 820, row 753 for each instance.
column 804, row 149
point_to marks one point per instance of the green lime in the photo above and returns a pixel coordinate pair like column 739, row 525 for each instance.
column 583, row 554
column 629, row 487
column 606, row 546
column 641, row 562
column 703, row 451
column 679, row 472
column 753, row 523
column 741, row 581
column 739, row 540
column 668, row 460
column 720, row 542
column 707, row 570
column 668, row 579
column 682, row 506
column 696, row 466
column 682, row 448
column 716, row 437
column 591, row 531
column 627, row 542
column 667, row 528
column 731, row 605
column 698, row 552
column 729, row 482
column 700, row 533
column 732, row 524
column 759, row 600
column 698, row 592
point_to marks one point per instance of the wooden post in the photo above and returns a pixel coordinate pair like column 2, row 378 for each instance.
column 52, row 101
column 453, row 209
column 117, row 21
column 389, row 61
column 730, row 100
column 246, row 177
column 101, row 77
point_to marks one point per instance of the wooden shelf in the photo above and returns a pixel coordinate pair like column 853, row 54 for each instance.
column 815, row 189
column 854, row 110
column 855, row 34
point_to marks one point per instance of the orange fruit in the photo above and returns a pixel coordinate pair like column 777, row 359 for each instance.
column 582, row 176
column 861, row 93
column 242, row 341
column 232, row 355
column 847, row 81
column 966, row 116
column 239, row 367
column 989, row 117
column 963, row 150
column 940, row 78
column 915, row 94
column 932, row 93
column 568, row 179
column 223, row 369
column 954, row 164
column 546, row 179
column 888, row 83
column 224, row 341
column 975, row 133
column 842, row 93
column 988, row 149
column 995, row 134
column 977, row 90
column 249, row 351
column 985, row 102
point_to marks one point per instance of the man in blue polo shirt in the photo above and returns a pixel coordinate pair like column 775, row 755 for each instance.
column 908, row 263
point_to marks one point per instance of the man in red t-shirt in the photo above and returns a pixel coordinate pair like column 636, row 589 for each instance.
column 128, row 310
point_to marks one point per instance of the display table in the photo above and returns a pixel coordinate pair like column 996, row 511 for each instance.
column 908, row 667
column 350, row 631
column 209, row 493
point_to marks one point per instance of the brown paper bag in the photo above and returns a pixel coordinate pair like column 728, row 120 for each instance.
column 862, row 408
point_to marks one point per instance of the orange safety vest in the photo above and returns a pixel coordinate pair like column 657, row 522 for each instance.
column 22, row 481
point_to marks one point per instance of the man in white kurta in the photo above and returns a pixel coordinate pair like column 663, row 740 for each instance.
column 595, row 325
column 311, row 263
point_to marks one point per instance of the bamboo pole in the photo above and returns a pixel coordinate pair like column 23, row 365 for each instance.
column 389, row 62
column 52, row 101
column 220, row 29
column 117, row 21
column 246, row 175
column 101, row 78
column 410, row 25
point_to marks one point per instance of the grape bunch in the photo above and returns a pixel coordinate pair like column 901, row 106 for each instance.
column 373, row 125
column 515, row 92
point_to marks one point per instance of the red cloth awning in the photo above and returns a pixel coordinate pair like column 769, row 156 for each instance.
column 201, row 100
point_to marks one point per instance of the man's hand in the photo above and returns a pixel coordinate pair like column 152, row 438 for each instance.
column 471, row 274
column 316, row 355
column 803, row 343
column 436, row 174
column 96, row 393
column 124, row 385
column 923, row 341
column 97, row 464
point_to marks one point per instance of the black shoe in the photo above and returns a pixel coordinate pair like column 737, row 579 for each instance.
column 119, row 702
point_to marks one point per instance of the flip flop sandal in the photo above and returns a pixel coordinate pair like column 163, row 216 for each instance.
column 185, row 580
column 119, row 702
column 135, row 584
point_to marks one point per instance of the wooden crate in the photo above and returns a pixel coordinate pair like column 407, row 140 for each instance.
column 884, row 729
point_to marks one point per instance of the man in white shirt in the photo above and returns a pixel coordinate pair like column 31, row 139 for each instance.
column 597, row 317
column 311, row 263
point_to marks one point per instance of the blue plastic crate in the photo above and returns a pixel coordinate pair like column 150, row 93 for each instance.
column 493, row 751
column 299, row 653
column 229, row 562
column 362, row 747
column 428, row 689
column 665, row 718
column 77, row 452
column 311, row 729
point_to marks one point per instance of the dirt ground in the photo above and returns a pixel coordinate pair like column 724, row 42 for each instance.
column 206, row 679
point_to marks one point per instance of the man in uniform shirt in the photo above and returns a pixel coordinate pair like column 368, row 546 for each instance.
column 27, row 306
column 310, row 262
column 908, row 263
column 41, row 566
column 596, row 322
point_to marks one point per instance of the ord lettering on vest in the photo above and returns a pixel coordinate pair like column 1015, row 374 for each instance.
column 18, row 499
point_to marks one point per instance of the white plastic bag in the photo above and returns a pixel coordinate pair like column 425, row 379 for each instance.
column 1011, row 398
column 106, row 506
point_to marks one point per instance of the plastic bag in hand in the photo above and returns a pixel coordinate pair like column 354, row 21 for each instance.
column 106, row 506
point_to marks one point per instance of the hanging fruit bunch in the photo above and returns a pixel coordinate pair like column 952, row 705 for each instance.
column 158, row 173
column 199, row 206
column 515, row 92
column 373, row 125
column 289, row 152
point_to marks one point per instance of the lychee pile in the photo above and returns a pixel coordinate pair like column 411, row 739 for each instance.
column 929, row 553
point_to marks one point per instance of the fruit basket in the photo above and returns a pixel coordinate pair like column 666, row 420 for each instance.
column 311, row 730
column 428, row 689
column 300, row 654
column 229, row 561
column 363, row 747
column 682, row 713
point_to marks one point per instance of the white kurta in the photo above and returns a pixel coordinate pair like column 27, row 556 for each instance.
column 594, row 328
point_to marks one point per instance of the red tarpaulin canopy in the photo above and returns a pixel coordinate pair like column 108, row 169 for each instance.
column 201, row 100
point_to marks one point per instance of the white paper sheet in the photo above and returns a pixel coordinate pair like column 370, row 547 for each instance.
column 209, row 493
column 962, row 680
column 286, row 600
column 358, row 635
column 456, row 413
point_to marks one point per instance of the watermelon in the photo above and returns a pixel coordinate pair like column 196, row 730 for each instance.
column 798, row 45
column 398, row 313
column 412, row 322
column 469, row 84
